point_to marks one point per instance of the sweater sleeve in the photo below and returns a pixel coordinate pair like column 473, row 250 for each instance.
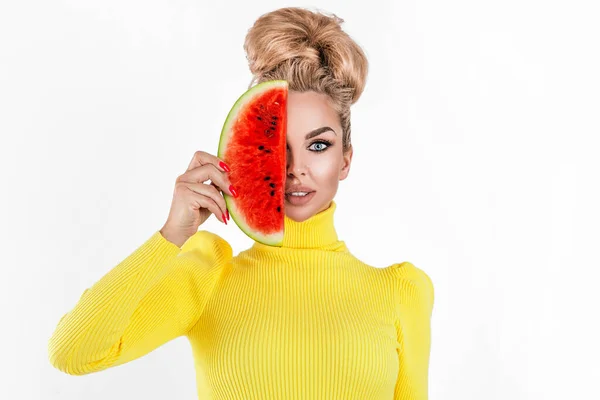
column 414, row 296
column 154, row 295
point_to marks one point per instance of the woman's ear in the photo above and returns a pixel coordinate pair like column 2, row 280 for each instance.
column 346, row 166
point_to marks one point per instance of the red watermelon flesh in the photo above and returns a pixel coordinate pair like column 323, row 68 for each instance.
column 253, row 144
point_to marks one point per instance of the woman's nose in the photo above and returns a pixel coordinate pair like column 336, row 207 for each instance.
column 295, row 164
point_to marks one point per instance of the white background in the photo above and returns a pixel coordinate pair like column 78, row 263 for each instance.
column 476, row 142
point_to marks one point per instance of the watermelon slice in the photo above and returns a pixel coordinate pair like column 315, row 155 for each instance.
column 253, row 144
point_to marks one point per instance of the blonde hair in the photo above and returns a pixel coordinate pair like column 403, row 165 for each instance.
column 310, row 51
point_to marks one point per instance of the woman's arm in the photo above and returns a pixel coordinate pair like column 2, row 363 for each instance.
column 414, row 306
column 154, row 295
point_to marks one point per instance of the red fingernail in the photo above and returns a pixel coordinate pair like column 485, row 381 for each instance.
column 224, row 219
column 233, row 191
column 224, row 166
column 227, row 211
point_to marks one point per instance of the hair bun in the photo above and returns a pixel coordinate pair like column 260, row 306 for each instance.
column 315, row 42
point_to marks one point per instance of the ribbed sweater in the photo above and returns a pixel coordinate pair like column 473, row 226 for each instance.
column 307, row 320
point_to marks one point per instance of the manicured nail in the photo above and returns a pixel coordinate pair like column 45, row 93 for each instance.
column 227, row 211
column 233, row 191
column 224, row 166
column 224, row 219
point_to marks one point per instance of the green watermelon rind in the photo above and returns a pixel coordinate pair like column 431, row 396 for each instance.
column 275, row 239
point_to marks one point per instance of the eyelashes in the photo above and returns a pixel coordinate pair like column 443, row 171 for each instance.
column 322, row 141
column 328, row 143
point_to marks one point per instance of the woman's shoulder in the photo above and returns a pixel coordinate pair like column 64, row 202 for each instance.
column 412, row 280
column 208, row 245
column 407, row 270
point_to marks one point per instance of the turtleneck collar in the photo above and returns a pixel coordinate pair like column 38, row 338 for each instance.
column 316, row 232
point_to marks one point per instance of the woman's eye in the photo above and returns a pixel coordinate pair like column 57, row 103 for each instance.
column 319, row 149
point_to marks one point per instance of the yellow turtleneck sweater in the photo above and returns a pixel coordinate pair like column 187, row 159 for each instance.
column 304, row 321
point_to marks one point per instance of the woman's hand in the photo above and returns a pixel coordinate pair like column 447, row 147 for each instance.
column 194, row 200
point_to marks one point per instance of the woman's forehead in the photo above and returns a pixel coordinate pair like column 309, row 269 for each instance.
column 307, row 111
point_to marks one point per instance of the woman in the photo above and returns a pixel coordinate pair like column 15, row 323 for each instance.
column 306, row 320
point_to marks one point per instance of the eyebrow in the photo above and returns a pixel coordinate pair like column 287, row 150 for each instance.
column 318, row 131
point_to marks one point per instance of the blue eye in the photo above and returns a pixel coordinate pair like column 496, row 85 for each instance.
column 321, row 142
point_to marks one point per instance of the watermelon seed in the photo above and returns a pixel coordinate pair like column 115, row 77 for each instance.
column 273, row 123
column 267, row 178
column 272, row 193
column 274, row 117
column 261, row 147
column 259, row 118
column 278, row 209
column 267, row 151
column 272, row 185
